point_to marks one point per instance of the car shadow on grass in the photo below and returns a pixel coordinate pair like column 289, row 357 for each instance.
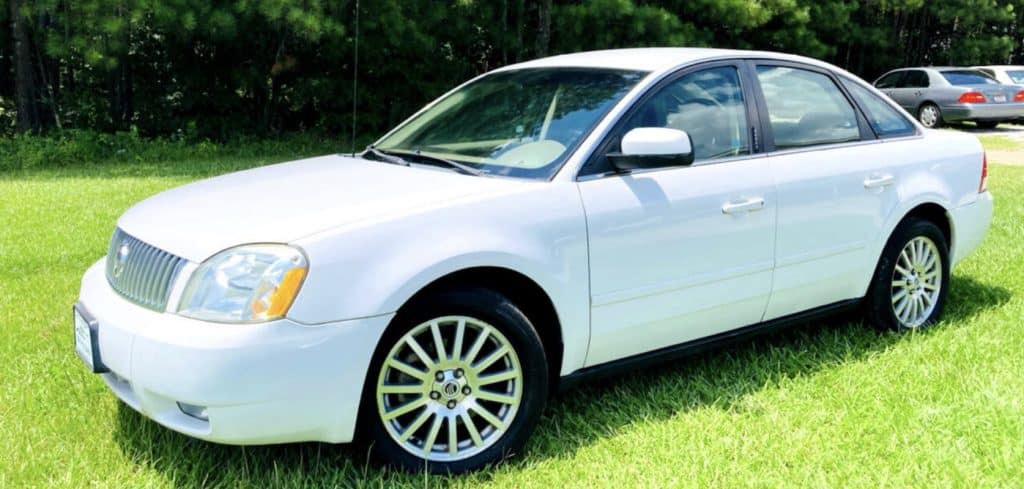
column 574, row 419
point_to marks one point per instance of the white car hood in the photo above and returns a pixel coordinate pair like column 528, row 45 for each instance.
column 284, row 202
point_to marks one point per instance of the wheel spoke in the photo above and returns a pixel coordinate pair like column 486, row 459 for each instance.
column 899, row 283
column 435, row 331
column 415, row 425
column 903, row 271
column 453, row 437
column 435, row 427
column 467, row 421
column 901, row 306
column 420, row 352
column 402, row 389
column 493, row 357
column 406, row 408
column 487, row 416
column 930, row 286
column 460, row 333
column 477, row 345
column 495, row 397
column 498, row 377
column 407, row 369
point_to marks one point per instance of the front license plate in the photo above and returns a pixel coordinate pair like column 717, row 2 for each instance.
column 999, row 99
column 87, row 339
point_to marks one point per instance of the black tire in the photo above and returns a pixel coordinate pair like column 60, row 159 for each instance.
column 497, row 311
column 987, row 124
column 926, row 121
column 879, row 303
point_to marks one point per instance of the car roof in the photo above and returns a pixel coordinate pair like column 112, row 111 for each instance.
column 1001, row 67
column 652, row 59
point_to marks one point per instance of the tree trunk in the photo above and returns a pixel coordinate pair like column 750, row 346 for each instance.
column 26, row 90
column 543, row 28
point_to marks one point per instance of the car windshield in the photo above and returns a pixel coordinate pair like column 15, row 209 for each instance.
column 521, row 123
column 967, row 77
column 1016, row 75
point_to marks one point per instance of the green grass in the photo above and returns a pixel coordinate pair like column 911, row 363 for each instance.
column 831, row 404
column 1001, row 143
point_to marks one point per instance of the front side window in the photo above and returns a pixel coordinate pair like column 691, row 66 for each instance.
column 521, row 123
column 885, row 119
column 892, row 80
column 967, row 77
column 806, row 108
column 708, row 105
column 916, row 79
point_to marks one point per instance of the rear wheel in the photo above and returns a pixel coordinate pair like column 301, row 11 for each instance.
column 929, row 115
column 458, row 383
column 908, row 290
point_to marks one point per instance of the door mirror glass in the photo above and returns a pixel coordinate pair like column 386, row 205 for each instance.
column 653, row 147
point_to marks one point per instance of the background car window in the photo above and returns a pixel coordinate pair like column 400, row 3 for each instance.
column 708, row 105
column 806, row 108
column 1016, row 75
column 916, row 79
column 892, row 80
column 967, row 77
column 885, row 119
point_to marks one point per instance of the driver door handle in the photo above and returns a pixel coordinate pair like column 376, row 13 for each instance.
column 748, row 205
column 879, row 181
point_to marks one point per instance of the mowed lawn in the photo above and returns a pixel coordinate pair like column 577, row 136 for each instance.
column 830, row 404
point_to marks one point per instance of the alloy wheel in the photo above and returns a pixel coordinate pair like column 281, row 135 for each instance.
column 449, row 388
column 916, row 282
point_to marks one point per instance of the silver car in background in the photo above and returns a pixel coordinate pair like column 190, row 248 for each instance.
column 944, row 94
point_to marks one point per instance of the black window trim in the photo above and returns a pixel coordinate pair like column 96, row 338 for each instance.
column 768, row 140
column 902, row 73
column 862, row 111
column 612, row 137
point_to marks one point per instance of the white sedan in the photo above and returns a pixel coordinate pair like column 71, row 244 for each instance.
column 538, row 225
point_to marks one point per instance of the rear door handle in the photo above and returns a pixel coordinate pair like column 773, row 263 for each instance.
column 749, row 205
column 879, row 181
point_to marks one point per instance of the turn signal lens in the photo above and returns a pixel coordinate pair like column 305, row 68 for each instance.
column 1019, row 97
column 983, row 186
column 972, row 98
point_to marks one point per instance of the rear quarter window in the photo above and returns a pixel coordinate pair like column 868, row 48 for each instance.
column 886, row 120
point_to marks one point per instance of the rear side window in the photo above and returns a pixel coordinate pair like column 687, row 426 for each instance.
column 892, row 80
column 806, row 108
column 967, row 77
column 916, row 79
column 1016, row 75
column 886, row 120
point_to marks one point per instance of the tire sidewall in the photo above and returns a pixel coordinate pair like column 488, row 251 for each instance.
column 494, row 309
column 880, row 311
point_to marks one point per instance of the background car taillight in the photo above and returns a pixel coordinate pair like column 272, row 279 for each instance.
column 1019, row 97
column 983, row 186
column 971, row 98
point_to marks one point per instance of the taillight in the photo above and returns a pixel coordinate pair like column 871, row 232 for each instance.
column 1019, row 97
column 983, row 186
column 972, row 98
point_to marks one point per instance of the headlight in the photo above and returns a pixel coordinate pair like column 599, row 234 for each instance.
column 248, row 284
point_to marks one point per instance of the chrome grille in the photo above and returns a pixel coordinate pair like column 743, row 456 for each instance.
column 142, row 273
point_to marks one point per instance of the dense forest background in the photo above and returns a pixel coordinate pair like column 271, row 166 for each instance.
column 223, row 68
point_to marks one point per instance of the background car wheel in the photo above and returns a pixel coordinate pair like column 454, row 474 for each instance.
column 458, row 382
column 908, row 290
column 987, row 124
column 930, row 116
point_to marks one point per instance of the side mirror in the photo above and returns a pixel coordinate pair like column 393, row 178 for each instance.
column 653, row 147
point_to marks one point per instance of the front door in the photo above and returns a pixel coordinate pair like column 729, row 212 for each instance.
column 681, row 253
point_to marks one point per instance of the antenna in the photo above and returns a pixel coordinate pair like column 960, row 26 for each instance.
column 355, row 81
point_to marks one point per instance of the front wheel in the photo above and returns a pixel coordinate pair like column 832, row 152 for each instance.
column 459, row 382
column 908, row 290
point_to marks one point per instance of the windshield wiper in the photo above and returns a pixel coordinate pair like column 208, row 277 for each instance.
column 469, row 170
column 382, row 156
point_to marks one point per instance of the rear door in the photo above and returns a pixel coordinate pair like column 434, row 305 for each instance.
column 833, row 186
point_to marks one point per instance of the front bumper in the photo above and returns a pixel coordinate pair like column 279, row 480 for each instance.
column 970, row 223
column 983, row 112
column 273, row 382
